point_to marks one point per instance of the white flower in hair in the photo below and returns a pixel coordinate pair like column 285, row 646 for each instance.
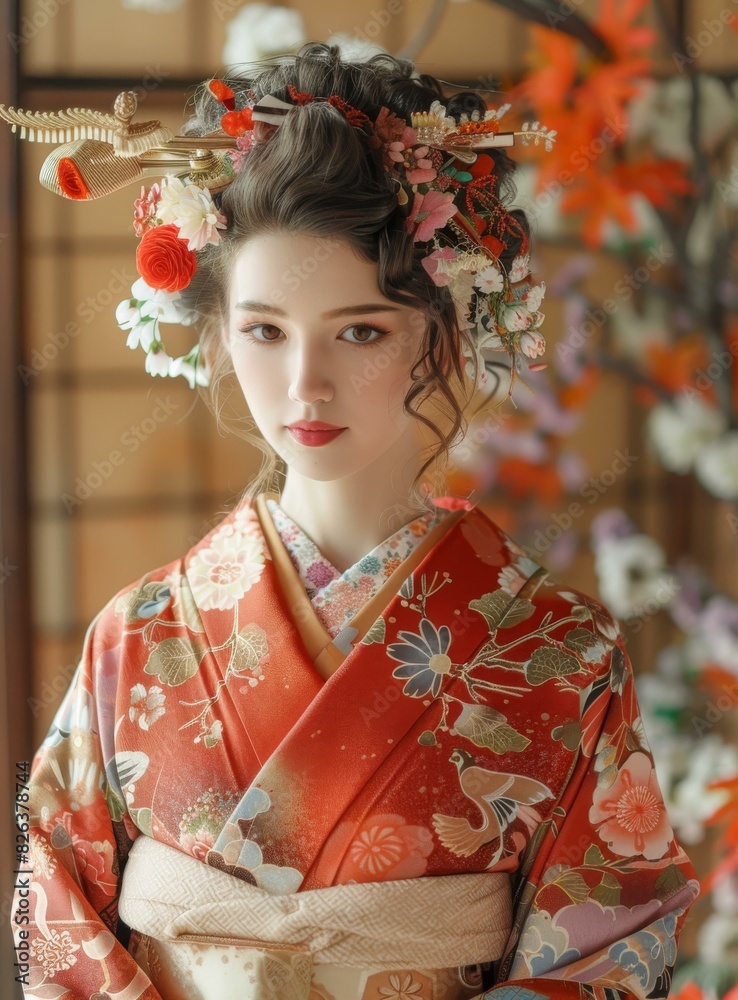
column 490, row 280
column 520, row 267
column 156, row 303
column 195, row 373
column 516, row 316
column 157, row 362
column 533, row 296
column 141, row 336
column 532, row 344
column 127, row 314
column 192, row 209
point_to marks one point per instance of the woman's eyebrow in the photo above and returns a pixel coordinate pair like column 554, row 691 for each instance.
column 263, row 307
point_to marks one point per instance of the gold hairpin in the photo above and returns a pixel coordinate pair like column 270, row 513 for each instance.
column 102, row 153
column 462, row 138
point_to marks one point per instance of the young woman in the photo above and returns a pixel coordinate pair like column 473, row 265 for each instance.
column 354, row 743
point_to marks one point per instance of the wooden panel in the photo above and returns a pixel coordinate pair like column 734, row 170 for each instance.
column 131, row 443
column 52, row 579
column 46, row 433
column 112, row 552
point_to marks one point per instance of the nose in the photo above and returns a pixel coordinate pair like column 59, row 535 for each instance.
column 310, row 381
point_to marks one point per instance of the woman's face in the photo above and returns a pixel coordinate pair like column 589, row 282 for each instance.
column 312, row 338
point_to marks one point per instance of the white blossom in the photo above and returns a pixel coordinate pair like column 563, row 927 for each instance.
column 716, row 466
column 520, row 267
column 532, row 344
column 353, row 48
column 157, row 362
column 490, row 280
column 678, row 432
column 184, row 366
column 633, row 576
column 259, row 30
column 191, row 208
column 157, row 303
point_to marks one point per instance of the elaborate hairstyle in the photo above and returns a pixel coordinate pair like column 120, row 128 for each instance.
column 319, row 175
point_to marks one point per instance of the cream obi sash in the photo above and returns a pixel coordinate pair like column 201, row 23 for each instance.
column 207, row 934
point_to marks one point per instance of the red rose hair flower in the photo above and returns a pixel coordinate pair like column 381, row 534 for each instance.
column 163, row 260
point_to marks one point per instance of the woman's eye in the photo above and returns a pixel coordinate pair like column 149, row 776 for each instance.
column 367, row 330
column 261, row 326
column 364, row 334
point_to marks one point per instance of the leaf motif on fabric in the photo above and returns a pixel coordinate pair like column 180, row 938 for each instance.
column 116, row 805
column 607, row 893
column 377, row 633
column 500, row 610
column 573, row 884
column 570, row 734
column 250, row 646
column 174, row 661
column 669, row 882
column 486, row 727
column 408, row 587
column 581, row 640
column 593, row 855
column 547, row 662
column 142, row 819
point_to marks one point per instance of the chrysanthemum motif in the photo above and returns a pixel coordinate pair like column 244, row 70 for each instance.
column 42, row 860
column 222, row 573
column 55, row 952
column 423, row 659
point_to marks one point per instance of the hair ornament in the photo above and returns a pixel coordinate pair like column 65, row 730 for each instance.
column 444, row 181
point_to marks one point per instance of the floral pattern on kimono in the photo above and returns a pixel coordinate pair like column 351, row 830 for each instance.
column 486, row 720
column 337, row 596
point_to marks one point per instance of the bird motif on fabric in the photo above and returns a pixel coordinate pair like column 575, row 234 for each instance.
column 501, row 798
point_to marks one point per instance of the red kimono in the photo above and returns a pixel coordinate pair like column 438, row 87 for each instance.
column 474, row 716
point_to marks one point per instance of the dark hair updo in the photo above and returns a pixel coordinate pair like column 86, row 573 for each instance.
column 317, row 175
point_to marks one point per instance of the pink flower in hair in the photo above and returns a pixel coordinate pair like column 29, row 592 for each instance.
column 144, row 209
column 433, row 264
column 430, row 211
column 419, row 168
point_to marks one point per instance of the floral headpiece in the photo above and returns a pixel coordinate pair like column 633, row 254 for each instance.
column 445, row 191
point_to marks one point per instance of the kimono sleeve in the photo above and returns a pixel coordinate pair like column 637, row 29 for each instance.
column 75, row 832
column 604, row 886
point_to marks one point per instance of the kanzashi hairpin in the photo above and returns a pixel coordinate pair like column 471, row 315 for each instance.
column 444, row 180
